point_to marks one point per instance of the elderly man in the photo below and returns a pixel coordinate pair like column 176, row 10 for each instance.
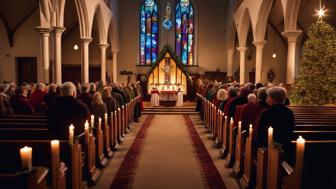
column 280, row 118
column 67, row 110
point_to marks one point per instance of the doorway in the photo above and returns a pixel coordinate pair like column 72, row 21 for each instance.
column 26, row 69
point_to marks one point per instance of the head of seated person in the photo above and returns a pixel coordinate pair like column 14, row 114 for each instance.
column 68, row 89
column 276, row 95
column 251, row 98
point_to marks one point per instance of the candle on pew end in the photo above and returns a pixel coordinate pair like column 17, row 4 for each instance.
column 105, row 120
column 250, row 130
column 239, row 126
column 71, row 134
column 26, row 157
column 270, row 135
column 231, row 121
column 99, row 123
column 300, row 144
column 54, row 146
column 92, row 120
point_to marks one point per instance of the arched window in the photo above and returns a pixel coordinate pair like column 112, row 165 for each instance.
column 148, row 32
column 184, row 23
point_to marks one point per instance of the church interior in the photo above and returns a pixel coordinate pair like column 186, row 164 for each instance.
column 165, row 94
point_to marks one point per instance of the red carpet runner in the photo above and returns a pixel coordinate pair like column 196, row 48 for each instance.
column 126, row 172
column 212, row 176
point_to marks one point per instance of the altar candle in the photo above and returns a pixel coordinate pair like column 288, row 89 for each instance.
column 71, row 134
column 250, row 130
column 92, row 120
column 105, row 120
column 270, row 135
column 26, row 157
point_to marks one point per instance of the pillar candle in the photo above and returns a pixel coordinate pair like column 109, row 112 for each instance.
column 239, row 126
column 99, row 123
column 270, row 135
column 92, row 120
column 71, row 134
column 55, row 146
column 231, row 121
column 300, row 144
column 26, row 157
column 105, row 120
column 250, row 130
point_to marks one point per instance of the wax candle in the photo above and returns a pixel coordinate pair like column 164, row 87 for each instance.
column 300, row 143
column 99, row 123
column 92, row 120
column 270, row 134
column 105, row 120
column 239, row 126
column 55, row 146
column 231, row 121
column 26, row 157
column 250, row 130
column 71, row 134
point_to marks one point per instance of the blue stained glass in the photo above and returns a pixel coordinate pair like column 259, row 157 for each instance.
column 148, row 32
column 184, row 25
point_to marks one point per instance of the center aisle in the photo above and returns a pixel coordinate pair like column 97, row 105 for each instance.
column 168, row 158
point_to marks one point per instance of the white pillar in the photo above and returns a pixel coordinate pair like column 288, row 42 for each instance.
column 242, row 51
column 103, row 48
column 85, row 42
column 230, row 63
column 291, row 37
column 259, row 55
column 114, row 65
column 44, row 40
column 58, row 54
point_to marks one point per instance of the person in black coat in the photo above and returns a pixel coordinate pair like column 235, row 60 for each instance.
column 281, row 119
column 65, row 111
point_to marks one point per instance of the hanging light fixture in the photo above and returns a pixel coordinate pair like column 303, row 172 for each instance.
column 274, row 55
column 75, row 47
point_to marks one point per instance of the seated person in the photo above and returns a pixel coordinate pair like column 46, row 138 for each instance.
column 98, row 107
column 281, row 119
column 20, row 103
column 85, row 96
column 67, row 110
column 37, row 98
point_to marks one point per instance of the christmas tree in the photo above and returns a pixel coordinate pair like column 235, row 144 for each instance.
column 316, row 82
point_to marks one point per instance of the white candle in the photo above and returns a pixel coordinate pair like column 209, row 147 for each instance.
column 86, row 126
column 239, row 126
column 300, row 142
column 55, row 147
column 92, row 120
column 105, row 120
column 71, row 134
column 231, row 121
column 99, row 123
column 250, row 130
column 270, row 134
column 26, row 157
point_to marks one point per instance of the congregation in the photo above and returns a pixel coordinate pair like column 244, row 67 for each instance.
column 69, row 103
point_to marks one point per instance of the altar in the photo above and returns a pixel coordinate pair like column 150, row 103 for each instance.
column 168, row 76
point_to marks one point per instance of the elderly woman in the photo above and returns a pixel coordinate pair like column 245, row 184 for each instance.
column 111, row 102
column 222, row 97
column 280, row 118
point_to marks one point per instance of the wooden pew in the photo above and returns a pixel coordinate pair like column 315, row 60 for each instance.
column 71, row 155
column 34, row 179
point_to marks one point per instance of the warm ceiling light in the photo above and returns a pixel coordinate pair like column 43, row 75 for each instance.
column 274, row 55
column 75, row 47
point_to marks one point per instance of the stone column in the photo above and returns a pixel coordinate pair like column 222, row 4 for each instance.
column 230, row 63
column 291, row 37
column 103, row 48
column 259, row 55
column 114, row 65
column 242, row 51
column 85, row 42
column 58, row 53
column 45, row 33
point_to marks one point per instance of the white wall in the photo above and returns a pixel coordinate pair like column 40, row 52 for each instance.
column 26, row 44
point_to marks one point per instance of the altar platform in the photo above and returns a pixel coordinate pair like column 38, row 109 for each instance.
column 187, row 108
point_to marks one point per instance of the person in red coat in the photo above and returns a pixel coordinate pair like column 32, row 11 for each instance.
column 233, row 93
column 37, row 98
column 251, row 111
column 20, row 103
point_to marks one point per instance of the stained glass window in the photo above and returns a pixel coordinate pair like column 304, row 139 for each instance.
column 184, row 23
column 148, row 32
